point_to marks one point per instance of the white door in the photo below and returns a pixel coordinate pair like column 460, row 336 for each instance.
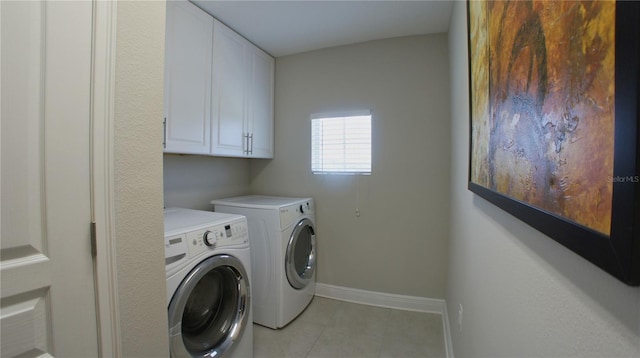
column 188, row 57
column 230, row 67
column 46, row 266
column 261, row 104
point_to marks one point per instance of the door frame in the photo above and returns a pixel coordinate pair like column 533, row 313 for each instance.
column 102, row 176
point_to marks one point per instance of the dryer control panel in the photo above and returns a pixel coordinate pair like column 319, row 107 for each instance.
column 291, row 214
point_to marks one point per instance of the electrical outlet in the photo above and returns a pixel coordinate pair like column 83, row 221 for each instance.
column 460, row 311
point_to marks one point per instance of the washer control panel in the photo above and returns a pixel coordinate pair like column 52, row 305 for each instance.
column 175, row 249
column 209, row 238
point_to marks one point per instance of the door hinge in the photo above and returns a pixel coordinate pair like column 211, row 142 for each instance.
column 94, row 244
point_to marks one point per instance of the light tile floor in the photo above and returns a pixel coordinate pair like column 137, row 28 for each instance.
column 330, row 328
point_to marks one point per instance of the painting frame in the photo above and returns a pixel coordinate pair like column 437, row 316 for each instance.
column 617, row 253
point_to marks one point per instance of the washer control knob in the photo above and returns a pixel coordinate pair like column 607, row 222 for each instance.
column 301, row 209
column 209, row 238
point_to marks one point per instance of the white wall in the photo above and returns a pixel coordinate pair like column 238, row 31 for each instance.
column 399, row 243
column 522, row 293
column 138, row 178
column 192, row 181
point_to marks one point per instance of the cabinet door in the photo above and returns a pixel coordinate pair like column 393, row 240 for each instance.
column 229, row 95
column 189, row 47
column 261, row 105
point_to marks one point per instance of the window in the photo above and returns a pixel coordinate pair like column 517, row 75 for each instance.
column 341, row 143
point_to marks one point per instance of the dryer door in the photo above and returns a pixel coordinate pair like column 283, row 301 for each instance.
column 300, row 259
column 209, row 310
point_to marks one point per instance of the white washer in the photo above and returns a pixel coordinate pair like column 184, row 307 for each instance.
column 208, row 265
column 283, row 254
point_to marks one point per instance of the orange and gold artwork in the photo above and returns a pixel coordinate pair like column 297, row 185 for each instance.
column 542, row 105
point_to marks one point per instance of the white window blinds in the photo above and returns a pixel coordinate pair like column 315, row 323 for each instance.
column 341, row 143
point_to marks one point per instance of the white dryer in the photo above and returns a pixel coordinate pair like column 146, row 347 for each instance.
column 208, row 266
column 283, row 254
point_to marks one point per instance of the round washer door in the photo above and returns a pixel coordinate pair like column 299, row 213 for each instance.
column 209, row 310
column 300, row 259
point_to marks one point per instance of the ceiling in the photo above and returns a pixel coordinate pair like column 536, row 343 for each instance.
column 287, row 27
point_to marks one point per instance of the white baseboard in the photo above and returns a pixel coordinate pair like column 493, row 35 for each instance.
column 448, row 343
column 409, row 303
column 389, row 300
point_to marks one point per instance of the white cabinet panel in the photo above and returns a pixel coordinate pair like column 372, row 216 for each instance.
column 261, row 105
column 229, row 95
column 189, row 48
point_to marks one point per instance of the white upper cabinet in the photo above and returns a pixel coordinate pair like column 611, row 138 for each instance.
column 218, row 88
column 242, row 97
column 188, row 59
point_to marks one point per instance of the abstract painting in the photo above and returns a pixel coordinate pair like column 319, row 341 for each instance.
column 547, row 80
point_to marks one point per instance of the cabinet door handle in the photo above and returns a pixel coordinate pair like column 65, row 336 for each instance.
column 246, row 144
column 164, row 133
column 251, row 147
